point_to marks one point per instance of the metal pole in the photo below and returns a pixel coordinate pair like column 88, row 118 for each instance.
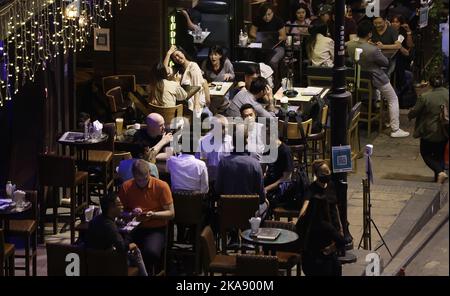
column 339, row 101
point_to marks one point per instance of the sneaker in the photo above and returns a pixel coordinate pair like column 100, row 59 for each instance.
column 442, row 177
column 399, row 134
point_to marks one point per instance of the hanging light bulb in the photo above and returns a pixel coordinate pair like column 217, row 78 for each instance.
column 83, row 20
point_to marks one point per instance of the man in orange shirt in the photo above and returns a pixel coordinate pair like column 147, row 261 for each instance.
column 151, row 200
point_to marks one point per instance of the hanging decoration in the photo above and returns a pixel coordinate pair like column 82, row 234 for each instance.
column 34, row 32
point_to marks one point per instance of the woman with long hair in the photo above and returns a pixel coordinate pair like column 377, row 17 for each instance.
column 187, row 72
column 320, row 48
column 162, row 91
column 217, row 67
column 300, row 17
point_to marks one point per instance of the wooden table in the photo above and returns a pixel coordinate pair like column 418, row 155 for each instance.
column 219, row 89
column 205, row 35
column 299, row 99
column 11, row 210
column 285, row 237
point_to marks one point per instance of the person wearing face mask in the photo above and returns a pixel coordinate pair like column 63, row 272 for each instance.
column 150, row 200
column 319, row 226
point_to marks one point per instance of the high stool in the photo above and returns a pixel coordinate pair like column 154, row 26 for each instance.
column 24, row 227
column 100, row 162
column 7, row 252
column 60, row 172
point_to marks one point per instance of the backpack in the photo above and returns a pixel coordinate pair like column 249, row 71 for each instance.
column 444, row 119
column 314, row 110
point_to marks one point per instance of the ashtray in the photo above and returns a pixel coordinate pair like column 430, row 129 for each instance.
column 290, row 93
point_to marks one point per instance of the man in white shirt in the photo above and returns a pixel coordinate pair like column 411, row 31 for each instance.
column 215, row 145
column 188, row 173
column 255, row 143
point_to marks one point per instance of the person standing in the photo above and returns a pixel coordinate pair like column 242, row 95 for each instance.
column 428, row 127
column 373, row 60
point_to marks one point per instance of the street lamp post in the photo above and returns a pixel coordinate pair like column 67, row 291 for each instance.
column 339, row 102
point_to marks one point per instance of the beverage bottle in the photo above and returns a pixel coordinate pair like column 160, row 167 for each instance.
column 9, row 189
column 241, row 38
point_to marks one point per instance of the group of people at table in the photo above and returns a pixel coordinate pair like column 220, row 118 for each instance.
column 217, row 167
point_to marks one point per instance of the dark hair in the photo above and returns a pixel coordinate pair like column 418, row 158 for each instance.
column 219, row 50
column 317, row 164
column 296, row 8
column 400, row 18
column 156, row 83
column 364, row 28
column 436, row 80
column 252, row 69
column 107, row 202
column 317, row 27
column 245, row 107
column 258, row 85
column 178, row 67
column 263, row 10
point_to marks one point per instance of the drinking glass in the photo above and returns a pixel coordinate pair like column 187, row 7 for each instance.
column 119, row 126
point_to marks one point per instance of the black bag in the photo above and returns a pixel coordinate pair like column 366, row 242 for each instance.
column 314, row 110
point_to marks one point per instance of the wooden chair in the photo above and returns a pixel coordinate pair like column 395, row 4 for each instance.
column 60, row 172
column 288, row 255
column 168, row 113
column 127, row 83
column 100, row 156
column 58, row 260
column 24, row 227
column 7, row 256
column 256, row 265
column 294, row 138
column 117, row 104
column 320, row 137
column 141, row 106
column 213, row 262
column 234, row 213
column 353, row 140
column 190, row 211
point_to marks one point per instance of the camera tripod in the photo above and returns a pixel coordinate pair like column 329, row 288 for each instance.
column 366, row 238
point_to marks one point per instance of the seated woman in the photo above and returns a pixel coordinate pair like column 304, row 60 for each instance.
column 188, row 72
column 320, row 48
column 218, row 67
column 163, row 92
column 267, row 22
column 300, row 17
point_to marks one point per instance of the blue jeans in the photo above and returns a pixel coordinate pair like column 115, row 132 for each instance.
column 135, row 260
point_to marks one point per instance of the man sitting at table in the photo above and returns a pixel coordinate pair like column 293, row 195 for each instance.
column 124, row 170
column 153, row 139
column 258, row 89
column 255, row 129
column 151, row 201
column 215, row 145
column 373, row 60
column 103, row 234
column 240, row 173
column 188, row 173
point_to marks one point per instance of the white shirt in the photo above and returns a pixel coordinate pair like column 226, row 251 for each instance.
column 188, row 173
column 212, row 150
column 323, row 52
column 255, row 143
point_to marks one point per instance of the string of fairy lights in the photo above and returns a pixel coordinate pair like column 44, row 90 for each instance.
column 34, row 32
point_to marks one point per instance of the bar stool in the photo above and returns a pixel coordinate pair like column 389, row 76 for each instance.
column 7, row 252
column 24, row 227
column 60, row 172
column 101, row 165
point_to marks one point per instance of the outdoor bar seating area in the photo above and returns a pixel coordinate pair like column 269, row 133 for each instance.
column 196, row 137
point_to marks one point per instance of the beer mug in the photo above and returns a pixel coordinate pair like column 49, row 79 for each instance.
column 119, row 126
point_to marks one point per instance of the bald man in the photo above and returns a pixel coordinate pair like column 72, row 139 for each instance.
column 153, row 139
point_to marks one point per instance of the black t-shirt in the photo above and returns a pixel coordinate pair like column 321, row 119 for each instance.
column 275, row 25
column 388, row 37
column 284, row 163
column 141, row 140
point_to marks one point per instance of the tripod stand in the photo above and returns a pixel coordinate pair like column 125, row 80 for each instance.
column 366, row 237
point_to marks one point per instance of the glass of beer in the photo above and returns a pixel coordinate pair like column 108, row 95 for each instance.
column 119, row 126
